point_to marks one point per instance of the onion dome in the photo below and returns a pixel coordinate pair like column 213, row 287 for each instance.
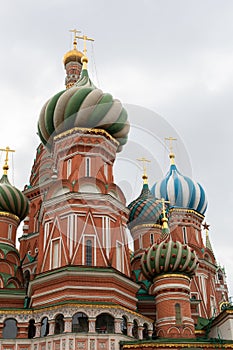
column 145, row 209
column 12, row 200
column 168, row 257
column 180, row 190
column 83, row 106
column 72, row 56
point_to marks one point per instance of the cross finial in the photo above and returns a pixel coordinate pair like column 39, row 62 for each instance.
column 144, row 161
column 5, row 166
column 75, row 31
column 164, row 218
column 171, row 154
column 84, row 58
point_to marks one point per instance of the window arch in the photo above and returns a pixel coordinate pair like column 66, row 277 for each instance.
column 31, row 329
column 59, row 324
column 104, row 323
column 10, row 329
column 124, row 325
column 178, row 313
column 80, row 323
column 44, row 331
column 135, row 329
column 145, row 331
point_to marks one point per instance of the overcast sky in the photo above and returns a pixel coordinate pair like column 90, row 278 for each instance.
column 170, row 62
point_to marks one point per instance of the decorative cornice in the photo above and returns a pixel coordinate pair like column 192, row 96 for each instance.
column 146, row 225
column 9, row 215
column 189, row 211
column 178, row 345
column 89, row 131
column 73, row 305
column 172, row 275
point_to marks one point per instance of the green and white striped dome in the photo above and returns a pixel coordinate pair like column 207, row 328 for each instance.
column 12, row 200
column 168, row 257
column 84, row 106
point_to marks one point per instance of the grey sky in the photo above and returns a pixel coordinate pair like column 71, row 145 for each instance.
column 174, row 58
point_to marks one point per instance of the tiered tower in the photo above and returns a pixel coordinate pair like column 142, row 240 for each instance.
column 13, row 209
column 74, row 248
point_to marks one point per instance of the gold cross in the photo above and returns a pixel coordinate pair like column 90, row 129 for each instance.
column 144, row 161
column 170, row 139
column 75, row 31
column 7, row 150
column 84, row 38
column 164, row 218
column 171, row 154
column 162, row 200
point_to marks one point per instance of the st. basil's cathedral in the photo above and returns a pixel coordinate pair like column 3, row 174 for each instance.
column 75, row 283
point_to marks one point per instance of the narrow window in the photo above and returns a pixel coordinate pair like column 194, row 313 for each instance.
column 140, row 241
column 106, row 171
column 9, row 231
column 151, row 238
column 178, row 313
column 185, row 235
column 31, row 329
column 69, row 167
column 44, row 327
column 55, row 254
column 119, row 256
column 89, row 252
column 88, row 167
column 59, row 324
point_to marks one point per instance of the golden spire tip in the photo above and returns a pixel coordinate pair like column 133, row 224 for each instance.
column 84, row 59
column 144, row 176
column 6, row 166
column 171, row 153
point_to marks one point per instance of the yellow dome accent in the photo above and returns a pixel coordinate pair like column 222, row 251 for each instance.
column 72, row 55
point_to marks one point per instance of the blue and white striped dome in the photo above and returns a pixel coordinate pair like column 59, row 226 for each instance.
column 180, row 191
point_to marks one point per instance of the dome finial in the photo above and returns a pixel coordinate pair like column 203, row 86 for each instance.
column 75, row 31
column 171, row 154
column 84, row 59
column 144, row 176
column 6, row 166
column 165, row 227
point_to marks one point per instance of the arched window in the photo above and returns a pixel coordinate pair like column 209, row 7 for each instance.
column 178, row 313
column 145, row 331
column 124, row 325
column 80, row 323
column 88, row 252
column 59, row 324
column 135, row 329
column 31, row 329
column 104, row 323
column 10, row 329
column 44, row 327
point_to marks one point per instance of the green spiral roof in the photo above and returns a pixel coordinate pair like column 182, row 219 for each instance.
column 168, row 257
column 12, row 200
column 84, row 106
column 144, row 209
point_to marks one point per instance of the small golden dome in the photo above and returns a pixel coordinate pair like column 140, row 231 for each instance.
column 72, row 55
